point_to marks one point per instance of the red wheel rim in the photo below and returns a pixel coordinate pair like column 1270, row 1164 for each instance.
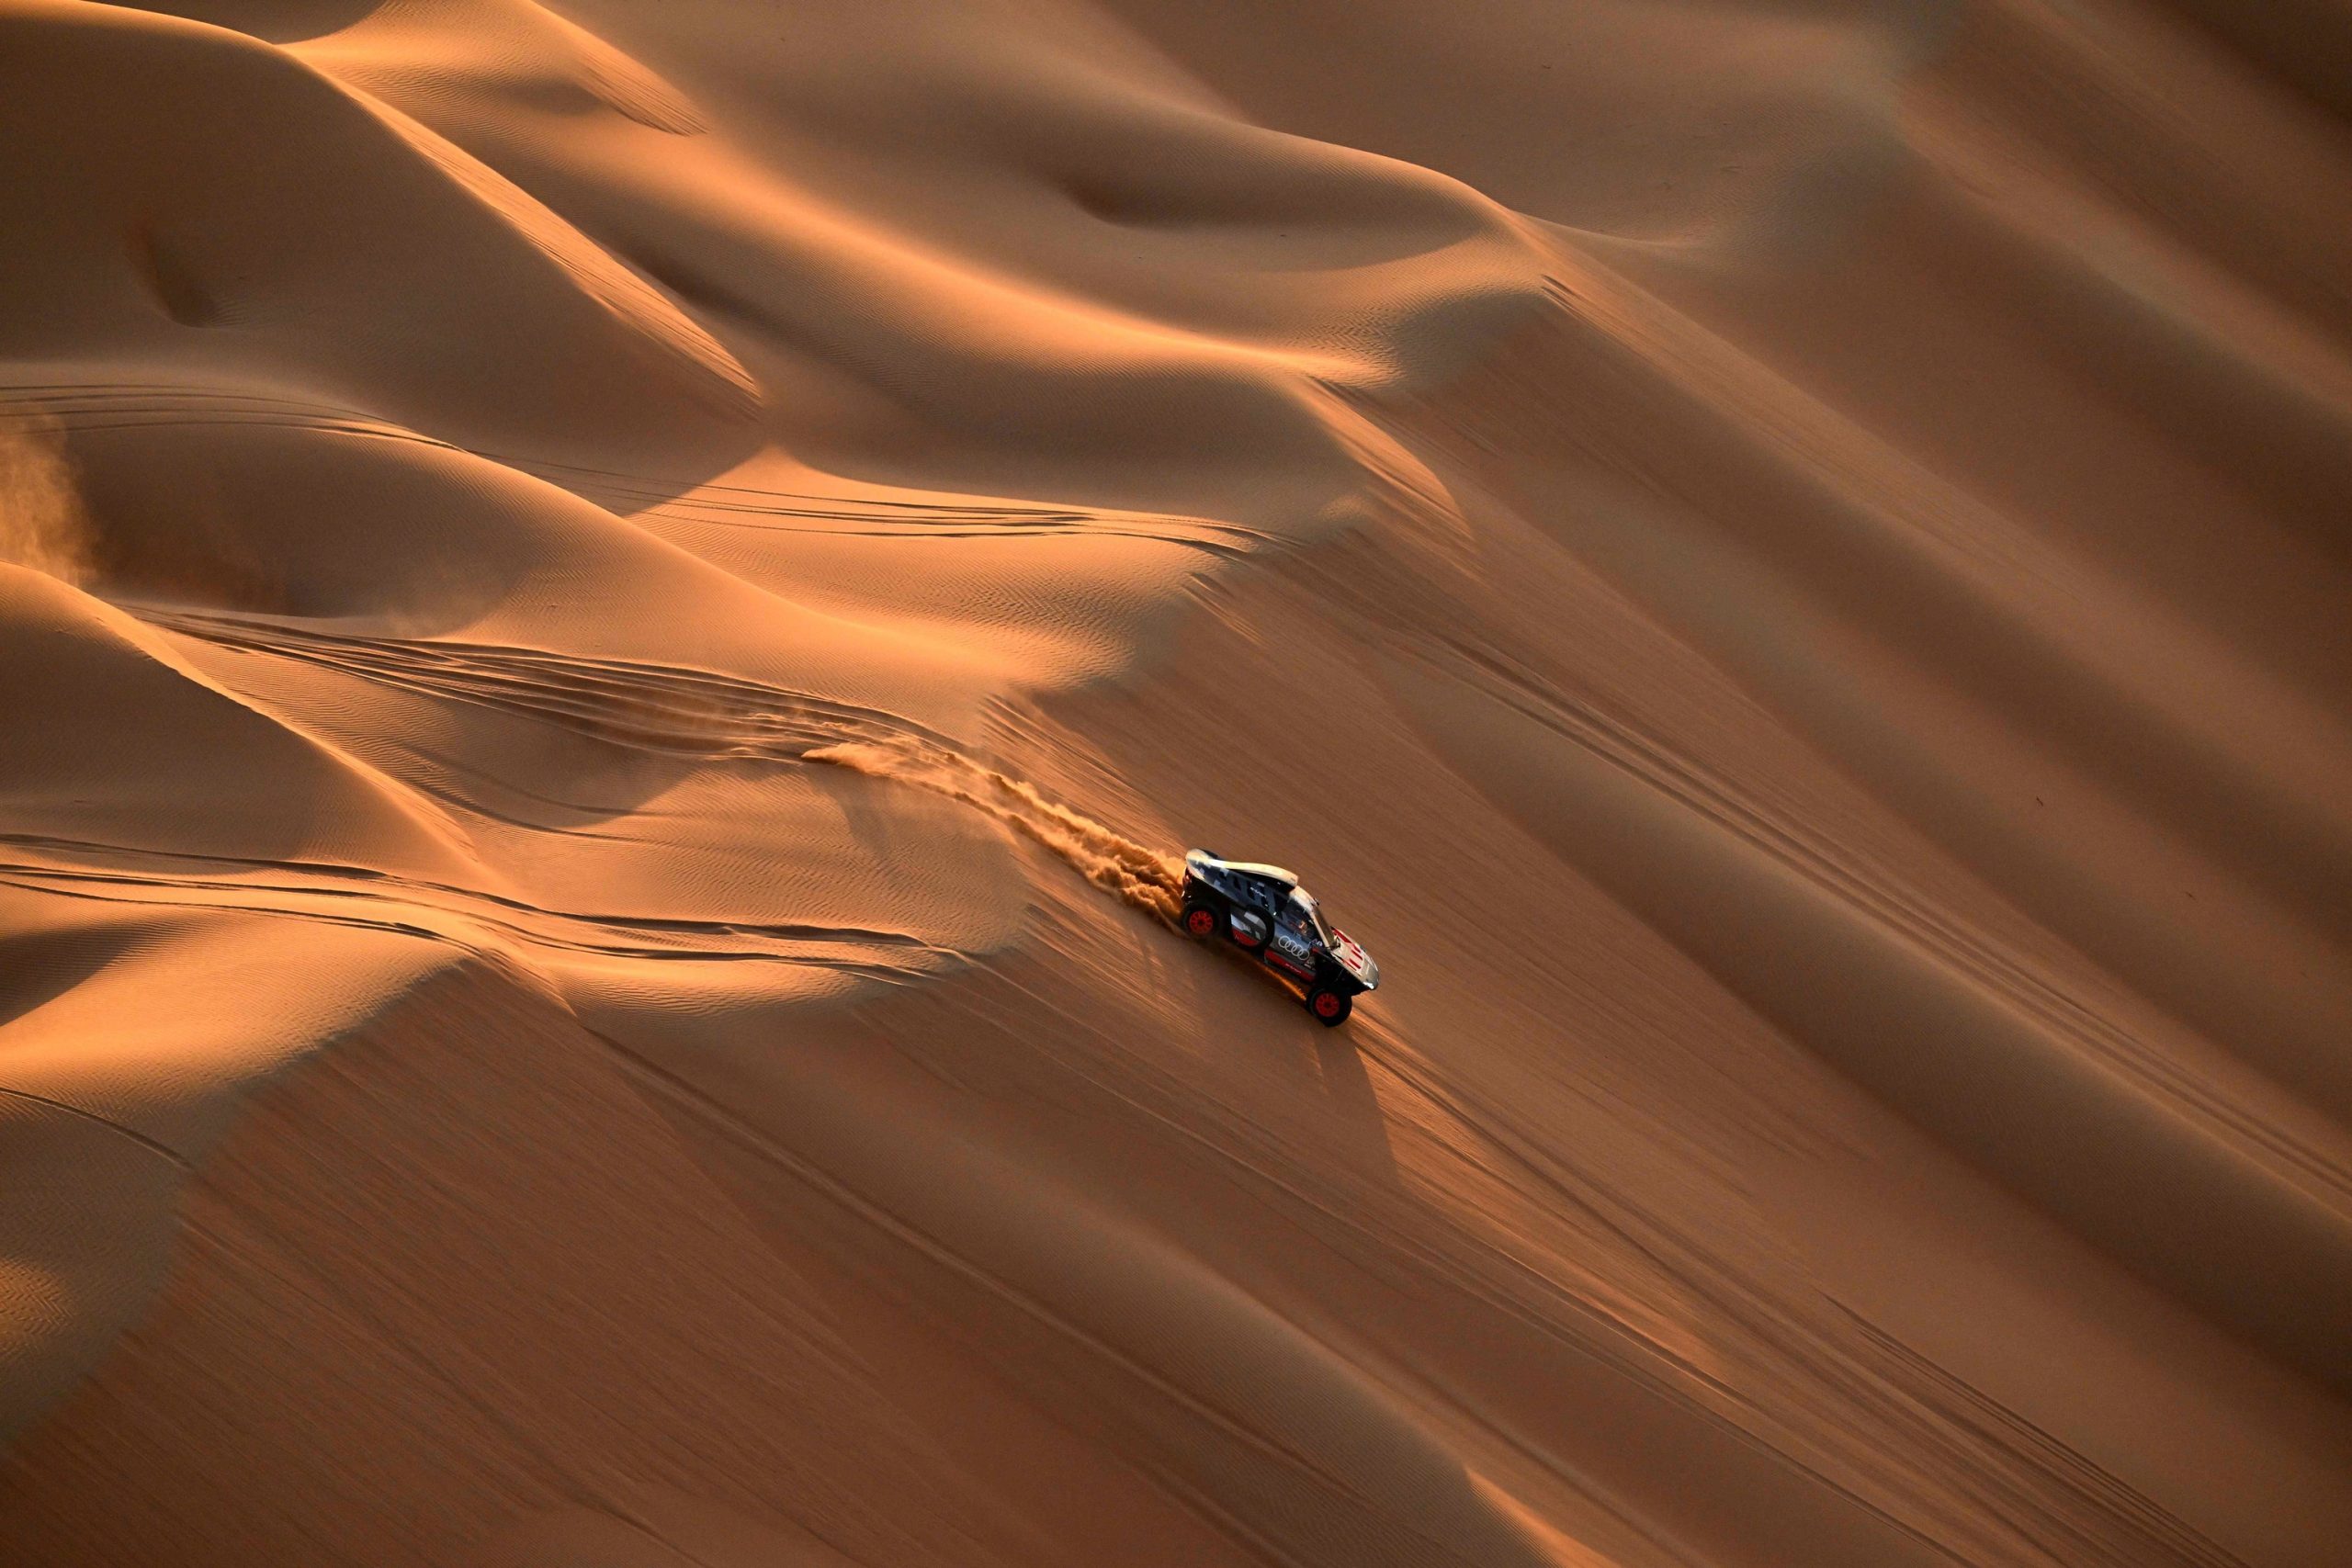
column 1327, row 1005
column 1200, row 922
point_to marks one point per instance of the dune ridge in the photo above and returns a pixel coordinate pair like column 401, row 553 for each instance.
column 575, row 579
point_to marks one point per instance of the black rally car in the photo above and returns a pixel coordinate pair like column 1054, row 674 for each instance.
column 1263, row 910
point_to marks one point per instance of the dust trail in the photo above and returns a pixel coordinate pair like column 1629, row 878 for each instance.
column 1149, row 880
column 41, row 523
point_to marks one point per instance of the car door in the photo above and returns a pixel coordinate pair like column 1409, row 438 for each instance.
column 1292, row 947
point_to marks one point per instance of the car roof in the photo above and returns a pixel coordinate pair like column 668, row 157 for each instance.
column 1255, row 868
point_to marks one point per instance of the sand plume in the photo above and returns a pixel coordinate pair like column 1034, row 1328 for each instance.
column 1144, row 877
column 41, row 522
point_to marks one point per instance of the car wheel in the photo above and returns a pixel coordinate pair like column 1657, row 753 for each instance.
column 1201, row 922
column 1331, row 1008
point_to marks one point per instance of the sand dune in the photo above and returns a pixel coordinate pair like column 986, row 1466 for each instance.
column 615, row 619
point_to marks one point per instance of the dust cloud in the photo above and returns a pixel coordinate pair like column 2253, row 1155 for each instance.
column 41, row 522
column 1151, row 881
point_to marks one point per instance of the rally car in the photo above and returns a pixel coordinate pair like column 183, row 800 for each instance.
column 1263, row 910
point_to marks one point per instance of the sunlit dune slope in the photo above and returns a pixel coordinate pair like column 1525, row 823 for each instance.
column 614, row 620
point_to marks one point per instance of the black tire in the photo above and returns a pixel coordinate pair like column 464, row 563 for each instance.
column 1329, row 1005
column 1205, row 921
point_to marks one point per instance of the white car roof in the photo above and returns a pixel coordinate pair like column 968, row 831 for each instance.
column 1255, row 868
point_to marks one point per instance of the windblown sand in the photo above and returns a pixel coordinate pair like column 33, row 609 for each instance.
column 614, row 618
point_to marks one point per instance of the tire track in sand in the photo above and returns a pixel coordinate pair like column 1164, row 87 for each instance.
column 704, row 715
column 479, row 921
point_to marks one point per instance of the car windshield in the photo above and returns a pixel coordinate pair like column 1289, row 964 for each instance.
column 1314, row 913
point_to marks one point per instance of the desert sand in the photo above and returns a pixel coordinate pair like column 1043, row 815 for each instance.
column 612, row 618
